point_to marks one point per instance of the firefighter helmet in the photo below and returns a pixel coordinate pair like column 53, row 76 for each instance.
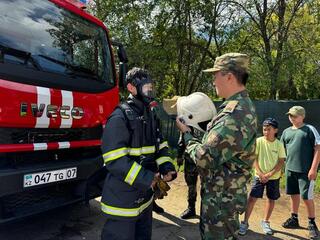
column 195, row 109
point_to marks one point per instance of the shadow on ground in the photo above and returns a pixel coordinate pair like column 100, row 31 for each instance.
column 84, row 222
column 260, row 236
column 171, row 227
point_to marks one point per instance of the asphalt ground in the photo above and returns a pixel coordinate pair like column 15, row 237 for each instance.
column 84, row 222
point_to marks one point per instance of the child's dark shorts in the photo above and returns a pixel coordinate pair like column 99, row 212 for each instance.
column 299, row 183
column 272, row 187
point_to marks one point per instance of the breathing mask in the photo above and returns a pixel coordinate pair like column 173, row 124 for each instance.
column 145, row 89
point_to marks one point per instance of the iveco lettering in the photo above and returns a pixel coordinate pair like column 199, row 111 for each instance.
column 52, row 111
column 58, row 86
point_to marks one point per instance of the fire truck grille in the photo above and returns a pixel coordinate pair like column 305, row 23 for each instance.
column 37, row 200
column 35, row 158
column 45, row 135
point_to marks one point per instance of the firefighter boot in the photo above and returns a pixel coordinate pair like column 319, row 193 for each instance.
column 190, row 212
column 156, row 208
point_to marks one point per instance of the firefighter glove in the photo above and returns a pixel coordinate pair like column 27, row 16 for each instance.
column 160, row 189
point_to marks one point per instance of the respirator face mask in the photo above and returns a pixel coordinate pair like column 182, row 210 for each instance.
column 146, row 90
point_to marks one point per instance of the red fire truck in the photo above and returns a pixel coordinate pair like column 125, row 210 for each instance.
column 58, row 85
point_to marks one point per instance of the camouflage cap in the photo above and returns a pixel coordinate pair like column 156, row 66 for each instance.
column 229, row 61
column 296, row 111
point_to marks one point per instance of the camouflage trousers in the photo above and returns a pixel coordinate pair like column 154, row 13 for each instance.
column 191, row 177
column 219, row 216
column 219, row 226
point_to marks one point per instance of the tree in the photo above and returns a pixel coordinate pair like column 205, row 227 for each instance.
column 272, row 20
column 301, row 59
column 176, row 39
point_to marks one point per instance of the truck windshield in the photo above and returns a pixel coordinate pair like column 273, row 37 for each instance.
column 45, row 37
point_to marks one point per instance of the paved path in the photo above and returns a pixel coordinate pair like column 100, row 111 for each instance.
column 170, row 227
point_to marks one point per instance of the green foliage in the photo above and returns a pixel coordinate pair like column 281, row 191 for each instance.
column 175, row 40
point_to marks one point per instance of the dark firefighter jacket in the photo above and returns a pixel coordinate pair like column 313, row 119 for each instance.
column 133, row 150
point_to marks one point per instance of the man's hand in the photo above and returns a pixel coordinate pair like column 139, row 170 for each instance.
column 263, row 178
column 155, row 180
column 268, row 175
column 312, row 175
column 181, row 126
column 160, row 188
column 169, row 176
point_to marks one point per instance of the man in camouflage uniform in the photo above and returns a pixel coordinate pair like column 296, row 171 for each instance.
column 226, row 152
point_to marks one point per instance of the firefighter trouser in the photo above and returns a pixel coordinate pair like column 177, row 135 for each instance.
column 139, row 229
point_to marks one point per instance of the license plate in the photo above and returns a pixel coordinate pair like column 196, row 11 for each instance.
column 34, row 179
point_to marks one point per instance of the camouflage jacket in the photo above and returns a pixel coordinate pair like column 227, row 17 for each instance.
column 227, row 150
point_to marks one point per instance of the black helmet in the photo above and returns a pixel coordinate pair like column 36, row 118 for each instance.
column 141, row 79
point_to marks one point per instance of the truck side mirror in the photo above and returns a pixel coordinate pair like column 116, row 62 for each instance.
column 123, row 68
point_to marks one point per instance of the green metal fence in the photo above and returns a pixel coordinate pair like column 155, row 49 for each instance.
column 276, row 109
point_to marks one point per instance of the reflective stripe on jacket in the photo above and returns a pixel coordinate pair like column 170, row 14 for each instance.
column 131, row 158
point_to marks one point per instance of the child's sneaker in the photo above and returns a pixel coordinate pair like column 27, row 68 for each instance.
column 243, row 228
column 291, row 222
column 266, row 227
column 313, row 231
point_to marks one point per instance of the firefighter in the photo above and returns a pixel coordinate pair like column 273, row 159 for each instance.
column 136, row 158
